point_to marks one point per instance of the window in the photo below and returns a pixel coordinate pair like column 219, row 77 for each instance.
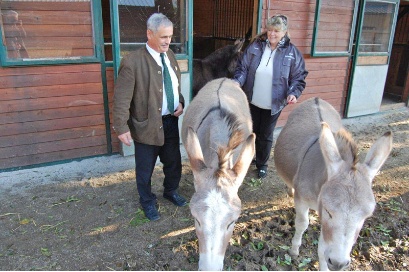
column 334, row 27
column 41, row 30
column 133, row 14
column 377, row 27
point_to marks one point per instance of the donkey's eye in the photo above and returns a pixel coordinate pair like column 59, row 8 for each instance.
column 329, row 214
column 231, row 223
column 197, row 221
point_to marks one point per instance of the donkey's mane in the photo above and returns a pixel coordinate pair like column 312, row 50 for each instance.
column 236, row 137
column 347, row 146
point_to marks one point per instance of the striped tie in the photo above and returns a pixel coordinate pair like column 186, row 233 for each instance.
column 168, row 85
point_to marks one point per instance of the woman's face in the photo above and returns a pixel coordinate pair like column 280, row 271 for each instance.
column 274, row 35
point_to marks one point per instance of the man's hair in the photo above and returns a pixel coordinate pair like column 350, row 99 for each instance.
column 156, row 20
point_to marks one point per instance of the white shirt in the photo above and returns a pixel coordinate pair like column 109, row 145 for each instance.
column 263, row 82
column 174, row 78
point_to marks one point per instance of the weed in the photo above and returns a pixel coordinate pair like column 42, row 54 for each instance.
column 259, row 246
column 67, row 200
column 45, row 252
column 138, row 219
column 255, row 183
column 285, row 261
column 383, row 230
column 304, row 263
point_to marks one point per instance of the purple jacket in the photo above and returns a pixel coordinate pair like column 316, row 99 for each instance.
column 288, row 71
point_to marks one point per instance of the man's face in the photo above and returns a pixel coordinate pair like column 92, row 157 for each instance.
column 160, row 40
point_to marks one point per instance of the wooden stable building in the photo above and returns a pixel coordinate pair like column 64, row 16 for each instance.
column 59, row 60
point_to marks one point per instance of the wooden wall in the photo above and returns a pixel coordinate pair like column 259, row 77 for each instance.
column 50, row 114
column 328, row 76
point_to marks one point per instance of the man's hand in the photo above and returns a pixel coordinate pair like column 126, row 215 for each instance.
column 126, row 138
column 179, row 110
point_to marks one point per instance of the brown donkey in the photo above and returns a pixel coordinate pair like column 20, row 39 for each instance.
column 217, row 134
column 317, row 158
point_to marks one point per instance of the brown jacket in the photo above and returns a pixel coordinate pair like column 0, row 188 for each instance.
column 138, row 97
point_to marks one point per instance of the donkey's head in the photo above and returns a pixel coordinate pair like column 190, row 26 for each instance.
column 346, row 199
column 215, row 204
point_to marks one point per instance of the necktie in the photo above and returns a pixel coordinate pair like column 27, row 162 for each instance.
column 168, row 85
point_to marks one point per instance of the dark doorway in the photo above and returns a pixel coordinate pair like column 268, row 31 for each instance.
column 397, row 81
column 217, row 23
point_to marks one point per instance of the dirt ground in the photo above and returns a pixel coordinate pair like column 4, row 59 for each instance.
column 84, row 219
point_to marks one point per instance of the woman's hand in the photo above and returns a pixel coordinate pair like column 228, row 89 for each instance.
column 291, row 99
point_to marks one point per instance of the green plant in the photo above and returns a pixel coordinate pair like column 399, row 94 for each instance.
column 67, row 200
column 286, row 261
column 304, row 263
column 383, row 230
column 259, row 246
column 138, row 219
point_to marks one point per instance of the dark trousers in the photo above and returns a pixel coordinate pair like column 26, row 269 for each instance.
column 169, row 155
column 263, row 126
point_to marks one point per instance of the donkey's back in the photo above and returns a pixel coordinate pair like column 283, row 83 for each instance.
column 301, row 131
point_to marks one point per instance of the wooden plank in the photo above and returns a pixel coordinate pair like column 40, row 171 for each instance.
column 54, row 31
column 51, row 136
column 52, row 157
column 47, row 147
column 51, row 103
column 47, row 125
column 64, row 17
column 48, row 79
column 324, row 81
column 60, row 53
column 371, row 60
column 51, row 6
column 329, row 74
column 60, row 42
column 54, row 69
column 49, row 114
column 50, row 91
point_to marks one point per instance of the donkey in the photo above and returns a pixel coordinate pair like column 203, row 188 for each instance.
column 217, row 135
column 317, row 158
column 220, row 63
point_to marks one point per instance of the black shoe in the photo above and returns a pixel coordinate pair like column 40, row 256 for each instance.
column 176, row 199
column 151, row 213
column 262, row 173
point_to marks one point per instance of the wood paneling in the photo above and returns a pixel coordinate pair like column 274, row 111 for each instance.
column 51, row 113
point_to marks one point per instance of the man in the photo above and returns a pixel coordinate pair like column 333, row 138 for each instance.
column 144, row 89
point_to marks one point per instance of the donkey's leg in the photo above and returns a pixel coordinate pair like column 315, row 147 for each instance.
column 301, row 224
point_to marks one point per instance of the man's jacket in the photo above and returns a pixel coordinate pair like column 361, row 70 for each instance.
column 138, row 97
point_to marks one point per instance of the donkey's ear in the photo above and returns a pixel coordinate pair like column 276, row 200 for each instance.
column 194, row 151
column 245, row 158
column 329, row 150
column 378, row 154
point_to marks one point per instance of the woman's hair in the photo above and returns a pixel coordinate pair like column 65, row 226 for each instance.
column 156, row 20
column 279, row 22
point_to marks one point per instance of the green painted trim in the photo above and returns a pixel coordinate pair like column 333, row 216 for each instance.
column 115, row 37
column 190, row 45
column 355, row 56
column 315, row 28
column 259, row 17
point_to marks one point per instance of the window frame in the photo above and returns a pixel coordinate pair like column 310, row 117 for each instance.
column 96, row 21
column 116, row 52
column 314, row 51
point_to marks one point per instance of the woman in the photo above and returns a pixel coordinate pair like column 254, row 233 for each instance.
column 272, row 74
